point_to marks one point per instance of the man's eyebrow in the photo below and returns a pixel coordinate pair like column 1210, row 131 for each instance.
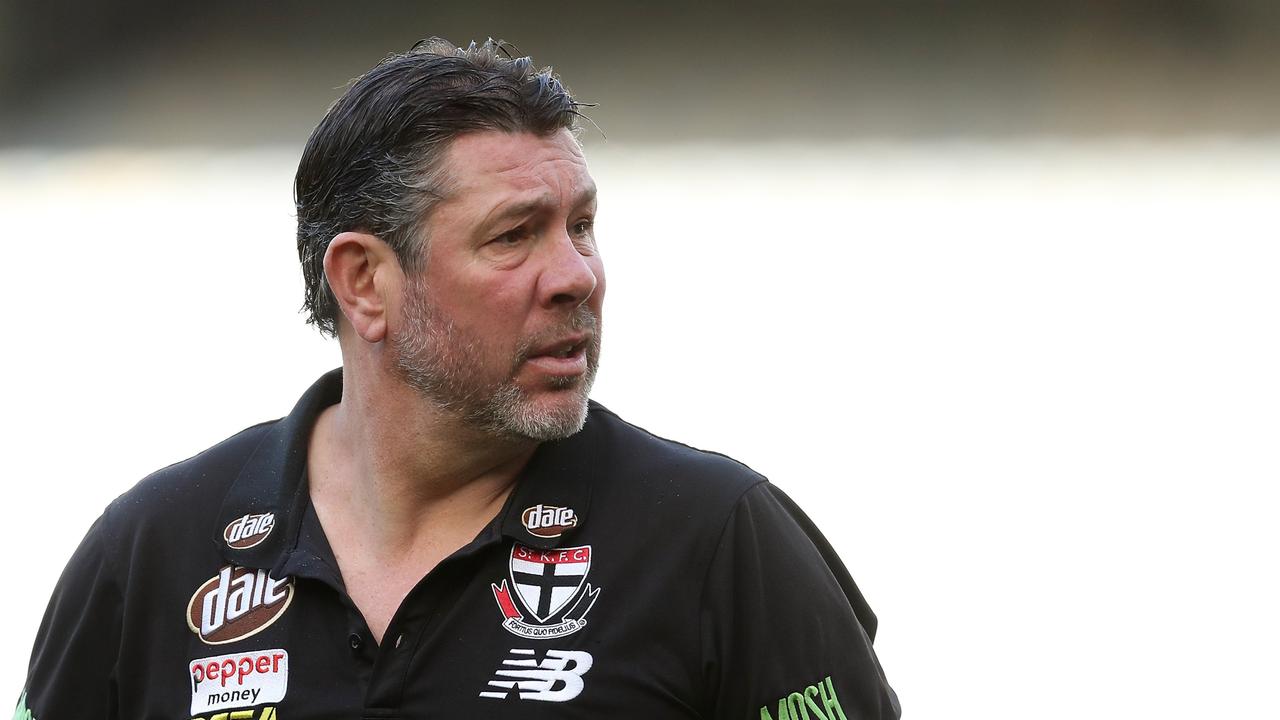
column 586, row 195
column 526, row 207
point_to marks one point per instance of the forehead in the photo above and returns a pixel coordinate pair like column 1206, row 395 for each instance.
column 489, row 166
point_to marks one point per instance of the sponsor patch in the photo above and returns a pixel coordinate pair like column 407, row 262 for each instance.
column 266, row 713
column 552, row 597
column 236, row 603
column 548, row 521
column 557, row 677
column 238, row 679
column 815, row 702
column 21, row 712
column 248, row 531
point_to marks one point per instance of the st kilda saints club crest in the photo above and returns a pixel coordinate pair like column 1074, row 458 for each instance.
column 548, row 595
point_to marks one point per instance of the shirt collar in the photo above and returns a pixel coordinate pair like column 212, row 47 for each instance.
column 550, row 502
column 546, row 509
column 272, row 482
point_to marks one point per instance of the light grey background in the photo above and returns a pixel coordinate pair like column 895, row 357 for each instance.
column 989, row 291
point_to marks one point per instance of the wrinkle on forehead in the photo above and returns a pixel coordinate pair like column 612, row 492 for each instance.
column 519, row 204
column 519, row 161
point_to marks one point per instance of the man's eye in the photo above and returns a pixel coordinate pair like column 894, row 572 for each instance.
column 512, row 237
column 583, row 227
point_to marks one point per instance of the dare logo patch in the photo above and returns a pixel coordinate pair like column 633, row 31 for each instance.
column 236, row 603
column 548, row 521
column 250, row 530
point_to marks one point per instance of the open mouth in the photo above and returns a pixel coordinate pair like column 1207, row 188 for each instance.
column 564, row 348
column 565, row 357
column 568, row 350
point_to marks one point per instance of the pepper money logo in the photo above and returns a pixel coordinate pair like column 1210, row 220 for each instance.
column 248, row 531
column 549, row 588
column 238, row 679
column 236, row 603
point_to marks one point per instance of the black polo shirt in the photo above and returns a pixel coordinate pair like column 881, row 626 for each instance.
column 627, row 576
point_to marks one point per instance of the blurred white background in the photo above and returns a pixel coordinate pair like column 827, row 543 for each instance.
column 1028, row 387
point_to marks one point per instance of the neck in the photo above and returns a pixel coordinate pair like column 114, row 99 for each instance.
column 387, row 464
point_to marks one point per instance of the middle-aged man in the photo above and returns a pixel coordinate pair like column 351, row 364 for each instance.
column 446, row 527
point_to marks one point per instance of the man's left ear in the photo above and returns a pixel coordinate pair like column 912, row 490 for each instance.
column 366, row 279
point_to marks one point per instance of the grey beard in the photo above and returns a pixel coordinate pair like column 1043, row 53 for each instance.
column 434, row 358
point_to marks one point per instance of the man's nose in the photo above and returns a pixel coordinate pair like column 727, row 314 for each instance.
column 569, row 278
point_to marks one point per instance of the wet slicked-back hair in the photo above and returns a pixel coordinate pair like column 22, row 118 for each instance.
column 374, row 163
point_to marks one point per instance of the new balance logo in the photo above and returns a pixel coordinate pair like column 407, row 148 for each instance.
column 555, row 678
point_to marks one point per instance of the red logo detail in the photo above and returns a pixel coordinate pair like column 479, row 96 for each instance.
column 503, row 596
column 552, row 557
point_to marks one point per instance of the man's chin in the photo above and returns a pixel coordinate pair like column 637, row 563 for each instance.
column 551, row 415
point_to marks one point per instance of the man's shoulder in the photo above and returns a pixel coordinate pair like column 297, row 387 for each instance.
column 192, row 486
column 648, row 459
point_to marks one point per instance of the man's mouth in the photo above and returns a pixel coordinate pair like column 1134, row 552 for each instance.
column 562, row 358
column 562, row 347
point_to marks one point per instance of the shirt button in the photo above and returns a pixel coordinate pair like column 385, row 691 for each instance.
column 356, row 641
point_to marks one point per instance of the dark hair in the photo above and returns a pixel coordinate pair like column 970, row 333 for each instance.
column 374, row 163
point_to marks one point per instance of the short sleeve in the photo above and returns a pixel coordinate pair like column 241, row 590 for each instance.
column 73, row 664
column 785, row 631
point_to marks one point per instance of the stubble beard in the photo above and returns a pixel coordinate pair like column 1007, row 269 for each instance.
column 444, row 365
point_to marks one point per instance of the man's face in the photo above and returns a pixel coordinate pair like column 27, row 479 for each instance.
column 502, row 325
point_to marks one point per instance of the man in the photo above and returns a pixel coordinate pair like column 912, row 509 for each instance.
column 446, row 526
